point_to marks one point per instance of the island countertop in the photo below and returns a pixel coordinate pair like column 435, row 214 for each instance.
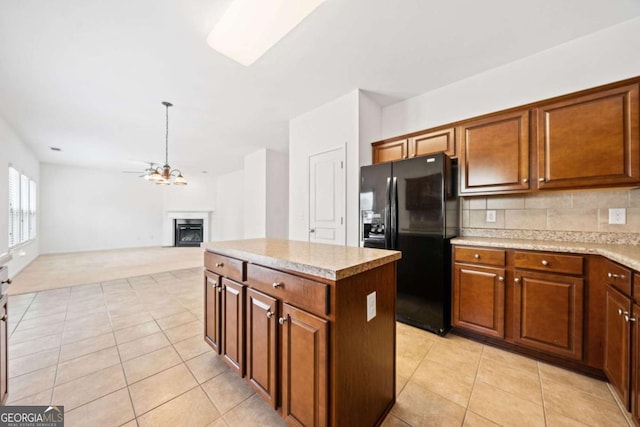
column 327, row 261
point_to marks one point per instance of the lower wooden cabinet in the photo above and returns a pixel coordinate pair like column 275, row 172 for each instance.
column 4, row 347
column 233, row 324
column 212, row 306
column 548, row 313
column 304, row 368
column 479, row 299
column 635, row 363
column 262, row 345
column 617, row 343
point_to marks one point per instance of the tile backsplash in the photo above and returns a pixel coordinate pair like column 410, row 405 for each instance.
column 584, row 211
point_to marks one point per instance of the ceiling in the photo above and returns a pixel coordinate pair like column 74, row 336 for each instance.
column 89, row 76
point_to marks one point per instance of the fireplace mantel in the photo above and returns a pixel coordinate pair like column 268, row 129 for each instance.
column 168, row 228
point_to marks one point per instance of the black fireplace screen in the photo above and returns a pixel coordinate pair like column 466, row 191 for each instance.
column 188, row 232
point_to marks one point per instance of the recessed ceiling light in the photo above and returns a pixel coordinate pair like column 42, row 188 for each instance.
column 55, row 149
column 205, row 171
column 249, row 28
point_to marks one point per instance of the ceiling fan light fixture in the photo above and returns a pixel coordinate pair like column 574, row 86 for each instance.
column 249, row 28
column 180, row 180
column 164, row 174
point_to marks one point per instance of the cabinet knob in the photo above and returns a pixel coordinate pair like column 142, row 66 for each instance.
column 500, row 279
column 525, row 180
column 269, row 314
column 219, row 264
column 477, row 256
column 277, row 284
column 214, row 284
column 545, row 262
column 282, row 320
column 219, row 289
column 619, row 312
column 517, row 280
column 629, row 319
column 541, row 179
column 8, row 282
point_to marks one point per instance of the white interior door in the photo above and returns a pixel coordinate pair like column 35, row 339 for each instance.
column 327, row 197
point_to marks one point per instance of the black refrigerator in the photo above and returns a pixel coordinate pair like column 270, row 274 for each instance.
column 412, row 206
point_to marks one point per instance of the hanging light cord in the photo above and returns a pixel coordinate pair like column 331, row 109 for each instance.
column 166, row 135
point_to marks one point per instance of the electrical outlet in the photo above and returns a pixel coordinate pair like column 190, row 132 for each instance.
column 491, row 216
column 617, row 216
column 371, row 306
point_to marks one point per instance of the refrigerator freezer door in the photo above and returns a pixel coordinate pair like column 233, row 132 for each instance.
column 375, row 185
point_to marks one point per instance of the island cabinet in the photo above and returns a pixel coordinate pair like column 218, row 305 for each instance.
column 494, row 153
column 316, row 343
column 589, row 140
column 224, row 308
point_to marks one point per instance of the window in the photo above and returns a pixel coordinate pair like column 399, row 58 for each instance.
column 22, row 208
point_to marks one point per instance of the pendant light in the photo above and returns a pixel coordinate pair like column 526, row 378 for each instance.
column 164, row 174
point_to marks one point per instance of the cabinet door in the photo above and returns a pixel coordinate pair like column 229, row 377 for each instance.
column 233, row 324
column 212, row 299
column 548, row 313
column 389, row 151
column 635, row 368
column 590, row 140
column 4, row 346
column 494, row 154
column 478, row 299
column 304, row 368
column 262, row 315
column 617, row 338
column 433, row 142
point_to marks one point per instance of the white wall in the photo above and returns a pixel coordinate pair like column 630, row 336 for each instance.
column 13, row 152
column 327, row 127
column 370, row 126
column 277, row 208
column 85, row 209
column 603, row 57
column 228, row 218
column 255, row 194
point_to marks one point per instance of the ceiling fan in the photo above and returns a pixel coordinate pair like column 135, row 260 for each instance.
column 146, row 173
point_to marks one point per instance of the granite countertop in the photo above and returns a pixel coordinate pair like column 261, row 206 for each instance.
column 5, row 258
column 627, row 255
column 321, row 260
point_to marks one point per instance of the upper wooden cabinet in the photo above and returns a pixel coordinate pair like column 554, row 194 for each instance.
column 590, row 140
column 494, row 154
column 415, row 145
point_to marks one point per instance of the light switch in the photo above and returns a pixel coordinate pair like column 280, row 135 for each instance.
column 491, row 216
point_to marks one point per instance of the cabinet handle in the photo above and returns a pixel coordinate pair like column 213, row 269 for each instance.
column 4, row 318
column 614, row 276
column 219, row 264
column 500, row 279
column 619, row 312
column 525, row 180
column 277, row 284
column 517, row 280
column 219, row 288
column 541, row 179
column 545, row 262
column 269, row 314
column 629, row 319
column 477, row 256
column 214, row 284
column 8, row 282
column 282, row 320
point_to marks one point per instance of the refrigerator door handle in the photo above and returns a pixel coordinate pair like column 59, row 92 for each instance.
column 387, row 214
column 394, row 214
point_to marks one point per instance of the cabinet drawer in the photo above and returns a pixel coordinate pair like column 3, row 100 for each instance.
column 545, row 261
column 480, row 256
column 297, row 291
column 225, row 266
column 619, row 277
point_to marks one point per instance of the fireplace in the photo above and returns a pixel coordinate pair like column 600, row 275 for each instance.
column 188, row 232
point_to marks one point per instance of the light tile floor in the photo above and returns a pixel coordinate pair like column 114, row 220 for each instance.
column 131, row 352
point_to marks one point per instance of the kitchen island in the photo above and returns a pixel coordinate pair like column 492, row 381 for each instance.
column 311, row 327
